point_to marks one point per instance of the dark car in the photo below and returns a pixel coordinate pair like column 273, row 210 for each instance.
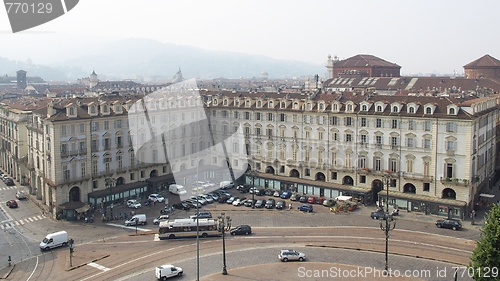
column 182, row 206
column 9, row 182
column 268, row 192
column 223, row 198
column 303, row 199
column 306, row 208
column 243, row 188
column 248, row 203
column 241, row 229
column 280, row 205
column 260, row 192
column 260, row 203
column 270, row 203
column 286, row 194
column 319, row 200
column 379, row 214
column 11, row 203
column 449, row 223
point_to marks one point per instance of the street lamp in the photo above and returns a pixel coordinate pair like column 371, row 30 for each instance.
column 388, row 218
column 110, row 183
column 223, row 225
column 253, row 174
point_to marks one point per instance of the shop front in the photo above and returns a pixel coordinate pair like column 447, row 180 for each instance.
column 118, row 194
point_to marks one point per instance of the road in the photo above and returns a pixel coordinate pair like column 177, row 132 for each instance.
column 347, row 238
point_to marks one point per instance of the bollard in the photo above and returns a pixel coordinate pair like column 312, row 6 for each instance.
column 9, row 259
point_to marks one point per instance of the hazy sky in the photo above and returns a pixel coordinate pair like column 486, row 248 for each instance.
column 421, row 36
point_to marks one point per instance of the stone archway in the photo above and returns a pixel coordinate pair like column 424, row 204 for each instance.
column 154, row 173
column 409, row 188
column 74, row 194
column 294, row 173
column 449, row 193
column 320, row 176
column 120, row 181
column 377, row 186
column 347, row 180
column 269, row 170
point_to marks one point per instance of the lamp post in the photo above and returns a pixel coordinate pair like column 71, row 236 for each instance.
column 223, row 225
column 388, row 218
column 71, row 242
column 110, row 183
column 253, row 174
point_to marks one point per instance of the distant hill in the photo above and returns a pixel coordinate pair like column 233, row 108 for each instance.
column 132, row 58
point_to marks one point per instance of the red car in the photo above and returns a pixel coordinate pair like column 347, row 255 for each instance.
column 311, row 199
column 11, row 204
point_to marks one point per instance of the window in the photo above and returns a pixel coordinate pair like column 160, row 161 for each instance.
column 348, row 138
column 411, row 109
column 395, row 109
column 427, row 126
column 236, row 115
column 411, row 125
column 334, row 175
column 363, row 122
column 94, row 126
column 348, row 121
column 394, row 124
column 270, row 116
column 410, row 142
column 320, row 135
column 82, row 128
column 106, row 125
column 269, row 133
column 63, row 130
column 377, row 165
column 428, row 110
column 362, row 179
column 364, row 107
column 379, row 108
column 451, row 127
column 394, row 142
column 247, row 115
column 283, row 117
column 452, row 111
column 378, row 123
column 92, row 109
column 257, row 116
column 71, row 111
column 427, row 143
column 308, row 172
column 378, row 141
column 364, row 139
column 427, row 186
column 450, row 145
column 334, row 120
column 393, row 165
column 132, row 176
column 409, row 165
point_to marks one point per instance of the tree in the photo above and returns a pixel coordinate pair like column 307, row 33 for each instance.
column 486, row 255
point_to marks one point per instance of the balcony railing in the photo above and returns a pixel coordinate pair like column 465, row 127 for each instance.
column 417, row 176
column 454, row 181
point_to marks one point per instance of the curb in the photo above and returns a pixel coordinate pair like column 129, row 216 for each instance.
column 6, row 275
column 83, row 264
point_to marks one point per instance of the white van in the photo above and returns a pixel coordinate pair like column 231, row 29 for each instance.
column 136, row 220
column 177, row 189
column 54, row 240
column 226, row 184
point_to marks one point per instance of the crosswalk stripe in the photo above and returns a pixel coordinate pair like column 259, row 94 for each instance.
column 98, row 266
column 35, row 218
column 39, row 217
column 17, row 223
column 21, row 221
column 29, row 219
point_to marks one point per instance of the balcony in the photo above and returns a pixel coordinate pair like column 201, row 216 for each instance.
column 346, row 169
column 417, row 176
column 455, row 181
column 72, row 180
column 363, row 171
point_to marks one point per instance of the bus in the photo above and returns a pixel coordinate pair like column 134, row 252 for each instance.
column 183, row 228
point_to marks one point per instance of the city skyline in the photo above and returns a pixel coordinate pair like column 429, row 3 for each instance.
column 423, row 38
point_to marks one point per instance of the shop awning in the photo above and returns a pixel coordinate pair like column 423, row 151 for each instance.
column 83, row 209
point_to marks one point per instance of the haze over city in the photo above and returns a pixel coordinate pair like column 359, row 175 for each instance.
column 424, row 37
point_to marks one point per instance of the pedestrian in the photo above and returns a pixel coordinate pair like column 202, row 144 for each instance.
column 86, row 220
column 290, row 206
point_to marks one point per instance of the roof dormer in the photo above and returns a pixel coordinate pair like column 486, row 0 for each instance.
column 93, row 109
column 336, row 106
column 365, row 106
column 429, row 108
column 321, row 106
column 259, row 103
column 412, row 108
column 396, row 107
column 309, row 105
column 350, row 106
column 296, row 105
column 248, row 102
column 380, row 106
column 270, row 103
column 71, row 109
column 117, row 107
column 105, row 108
column 452, row 109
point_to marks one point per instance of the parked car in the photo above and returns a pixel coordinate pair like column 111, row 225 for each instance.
column 11, row 203
column 260, row 203
column 268, row 192
column 20, row 195
column 208, row 198
column 306, row 208
column 223, row 198
column 231, row 200
column 157, row 197
column 9, row 182
column 280, row 205
column 291, row 255
column 182, row 206
column 270, row 203
column 134, row 204
column 294, row 197
column 379, row 214
column 243, row 188
column 202, row 215
column 199, row 198
column 249, row 202
column 166, row 271
column 311, row 199
column 159, row 219
column 319, row 200
column 286, row 194
column 215, row 196
column 239, row 201
column 241, row 229
column 276, row 193
column 328, row 202
column 303, row 199
column 193, row 203
column 449, row 223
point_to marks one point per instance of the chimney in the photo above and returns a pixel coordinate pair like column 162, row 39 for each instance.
column 50, row 109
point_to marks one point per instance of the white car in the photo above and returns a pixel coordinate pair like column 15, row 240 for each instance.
column 200, row 199
column 166, row 271
column 134, row 204
column 239, row 202
column 158, row 198
column 160, row 219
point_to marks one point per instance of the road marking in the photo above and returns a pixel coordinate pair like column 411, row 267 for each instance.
column 35, row 218
column 39, row 217
column 98, row 266
column 17, row 223
column 21, row 221
column 30, row 219
column 128, row 227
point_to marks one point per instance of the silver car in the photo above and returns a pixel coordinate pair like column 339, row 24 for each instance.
column 291, row 255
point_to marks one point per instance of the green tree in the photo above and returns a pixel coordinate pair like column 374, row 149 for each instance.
column 486, row 255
